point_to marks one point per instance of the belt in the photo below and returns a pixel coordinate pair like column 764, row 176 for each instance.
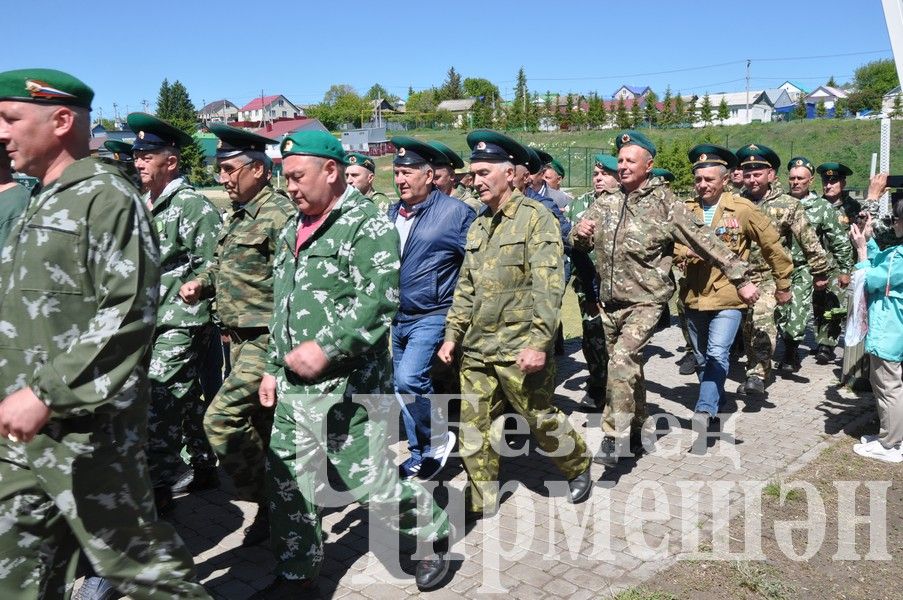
column 243, row 334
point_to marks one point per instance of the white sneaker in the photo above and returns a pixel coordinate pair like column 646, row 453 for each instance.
column 868, row 438
column 875, row 450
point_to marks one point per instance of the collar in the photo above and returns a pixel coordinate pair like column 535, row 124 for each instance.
column 171, row 188
column 252, row 206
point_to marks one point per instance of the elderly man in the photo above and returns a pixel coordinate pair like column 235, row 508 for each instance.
column 586, row 284
column 834, row 183
column 713, row 307
column 504, row 317
column 539, row 187
column 445, row 164
column 759, row 164
column 76, row 343
column 188, row 225
column 335, row 293
column 241, row 281
column 359, row 172
column 553, row 174
column 633, row 231
column 793, row 318
column 432, row 229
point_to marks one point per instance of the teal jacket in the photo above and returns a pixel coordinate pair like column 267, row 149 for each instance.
column 884, row 290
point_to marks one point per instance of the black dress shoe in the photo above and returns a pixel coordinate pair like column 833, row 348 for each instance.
column 196, row 480
column 163, row 499
column 286, row 589
column 824, row 354
column 431, row 571
column 606, row 454
column 259, row 529
column 580, row 487
column 687, row 364
column 754, row 386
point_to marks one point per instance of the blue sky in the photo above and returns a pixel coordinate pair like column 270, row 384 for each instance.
column 236, row 49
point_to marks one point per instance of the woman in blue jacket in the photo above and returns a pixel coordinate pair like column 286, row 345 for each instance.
column 884, row 340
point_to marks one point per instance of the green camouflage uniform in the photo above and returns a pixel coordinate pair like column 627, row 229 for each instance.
column 799, row 237
column 188, row 226
column 341, row 291
column 593, row 341
column 508, row 298
column 634, row 246
column 380, row 199
column 80, row 278
column 241, row 280
column 794, row 316
column 468, row 197
column 12, row 204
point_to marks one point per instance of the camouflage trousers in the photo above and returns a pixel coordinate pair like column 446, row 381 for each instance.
column 793, row 317
column 177, row 407
column 82, row 485
column 237, row 426
column 311, row 429
column 829, row 300
column 595, row 354
column 760, row 332
column 627, row 331
column 486, row 390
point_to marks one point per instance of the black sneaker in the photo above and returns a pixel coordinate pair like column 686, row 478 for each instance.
column 97, row 588
column 606, row 454
column 687, row 364
column 259, row 529
column 824, row 354
column 196, row 480
column 431, row 571
column 754, row 386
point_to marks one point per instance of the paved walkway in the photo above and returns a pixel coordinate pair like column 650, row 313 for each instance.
column 643, row 515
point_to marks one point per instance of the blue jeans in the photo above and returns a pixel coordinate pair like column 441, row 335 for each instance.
column 712, row 332
column 414, row 345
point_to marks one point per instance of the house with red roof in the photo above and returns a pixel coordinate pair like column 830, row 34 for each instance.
column 269, row 108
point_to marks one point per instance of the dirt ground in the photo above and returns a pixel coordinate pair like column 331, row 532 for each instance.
column 820, row 576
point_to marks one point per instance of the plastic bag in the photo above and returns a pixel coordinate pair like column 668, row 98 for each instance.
column 858, row 317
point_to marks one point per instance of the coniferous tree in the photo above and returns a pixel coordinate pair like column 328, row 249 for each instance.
column 896, row 110
column 636, row 115
column 667, row 117
column 705, row 111
column 174, row 105
column 820, row 110
column 724, row 111
column 800, row 111
column 622, row 118
column 680, row 110
column 650, row 110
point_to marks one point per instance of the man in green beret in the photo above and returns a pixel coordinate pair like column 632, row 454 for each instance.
column 586, row 283
column 74, row 358
column 794, row 317
column 633, row 231
column 328, row 365
column 504, row 317
column 188, row 225
column 13, row 197
column 359, row 172
column 539, row 187
column 553, row 176
column 762, row 188
column 240, row 280
column 834, row 183
column 120, row 153
column 714, row 309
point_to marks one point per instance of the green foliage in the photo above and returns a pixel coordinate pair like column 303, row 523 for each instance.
column 666, row 119
column 705, row 111
column 174, row 105
column 820, row 111
column 336, row 91
column 673, row 156
column 831, row 82
column 724, row 111
column 650, row 110
column 486, row 94
column 341, row 105
column 872, row 81
column 451, row 88
column 680, row 110
column 636, row 114
column 622, row 119
column 522, row 114
column 596, row 115
column 896, row 110
column 691, row 110
column 761, row 580
column 377, row 91
column 799, row 111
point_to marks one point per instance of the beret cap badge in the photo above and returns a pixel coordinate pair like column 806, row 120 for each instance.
column 401, row 151
column 480, row 146
column 352, row 160
column 140, row 135
column 625, row 138
column 288, row 145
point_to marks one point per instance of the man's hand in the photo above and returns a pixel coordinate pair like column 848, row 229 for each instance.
column 820, row 282
column 749, row 293
column 585, row 229
column 530, row 360
column 446, row 353
column 22, row 414
column 843, row 280
column 266, row 393
column 190, row 292
column 783, row 296
column 307, row 359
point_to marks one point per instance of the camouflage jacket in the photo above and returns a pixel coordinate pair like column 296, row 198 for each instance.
column 831, row 232
column 341, row 291
column 510, row 287
column 634, row 243
column 80, row 278
column 584, row 270
column 847, row 207
column 468, row 197
column 241, row 275
column 797, row 234
column 378, row 198
column 188, row 226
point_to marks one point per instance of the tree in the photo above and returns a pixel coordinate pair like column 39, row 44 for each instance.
column 596, row 115
column 896, row 110
column 680, row 110
column 800, row 111
column 622, row 119
column 820, row 111
column 517, row 116
column 650, row 110
column 567, row 118
column 705, row 111
column 831, row 82
column 691, row 110
column 451, row 88
column 341, row 105
column 724, row 111
column 377, row 91
column 667, row 117
column 840, row 108
column 486, row 94
column 636, row 114
column 336, row 91
column 872, row 81
column 174, row 105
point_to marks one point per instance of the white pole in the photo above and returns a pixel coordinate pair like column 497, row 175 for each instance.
column 893, row 16
column 872, row 169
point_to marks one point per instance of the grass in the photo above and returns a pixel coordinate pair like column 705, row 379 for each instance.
column 641, row 594
column 773, row 490
column 760, row 580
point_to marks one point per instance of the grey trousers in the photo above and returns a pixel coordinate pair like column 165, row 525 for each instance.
column 887, row 385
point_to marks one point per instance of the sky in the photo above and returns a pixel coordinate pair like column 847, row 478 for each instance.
column 236, row 50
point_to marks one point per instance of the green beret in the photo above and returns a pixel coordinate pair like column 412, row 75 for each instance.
column 534, row 163
column 756, row 156
column 492, row 146
column 710, row 155
column 361, row 160
column 607, row 162
column 454, row 160
column 800, row 161
column 557, row 167
column 45, row 86
column 122, row 151
column 233, row 141
column 626, row 138
column 152, row 133
column 313, row 143
column 834, row 169
column 410, row 151
column 663, row 173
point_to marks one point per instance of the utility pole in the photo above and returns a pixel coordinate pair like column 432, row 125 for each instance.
column 145, row 103
column 748, row 120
